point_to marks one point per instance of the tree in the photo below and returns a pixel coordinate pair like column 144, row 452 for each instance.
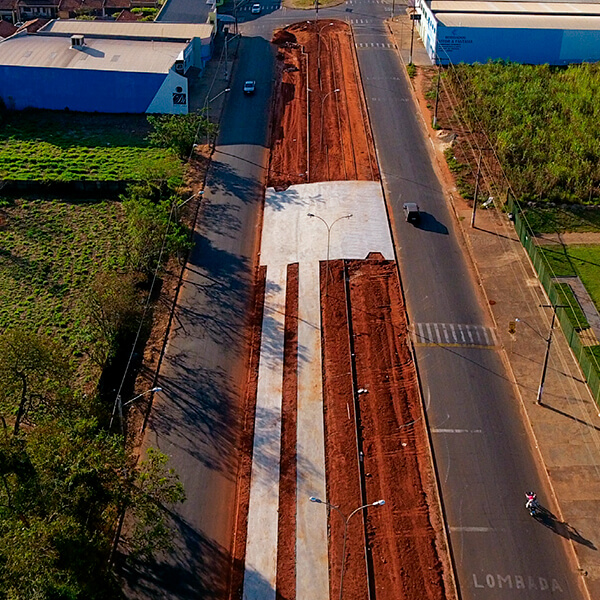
column 179, row 131
column 34, row 377
column 64, row 485
column 114, row 308
column 153, row 228
column 155, row 486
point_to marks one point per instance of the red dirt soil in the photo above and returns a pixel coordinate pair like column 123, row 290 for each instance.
column 286, row 538
column 403, row 545
column 339, row 136
column 242, row 501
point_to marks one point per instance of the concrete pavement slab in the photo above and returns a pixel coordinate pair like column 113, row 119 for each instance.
column 261, row 547
column 312, row 566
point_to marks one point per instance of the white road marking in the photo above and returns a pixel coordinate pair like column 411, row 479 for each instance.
column 456, row 431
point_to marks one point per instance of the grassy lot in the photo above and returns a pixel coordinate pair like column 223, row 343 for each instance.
column 47, row 145
column 49, row 253
column 583, row 261
column 555, row 219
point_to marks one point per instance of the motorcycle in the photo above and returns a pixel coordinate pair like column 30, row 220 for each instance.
column 532, row 504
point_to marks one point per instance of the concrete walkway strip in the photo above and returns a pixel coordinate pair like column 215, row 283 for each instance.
column 261, row 546
column 290, row 236
column 312, row 566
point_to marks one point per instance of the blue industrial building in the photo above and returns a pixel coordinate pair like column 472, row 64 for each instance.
column 555, row 33
column 133, row 70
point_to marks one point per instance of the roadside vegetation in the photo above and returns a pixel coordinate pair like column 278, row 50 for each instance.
column 542, row 122
column 534, row 129
column 43, row 145
column 78, row 283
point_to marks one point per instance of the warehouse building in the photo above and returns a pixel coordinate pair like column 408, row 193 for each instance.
column 555, row 33
column 99, row 66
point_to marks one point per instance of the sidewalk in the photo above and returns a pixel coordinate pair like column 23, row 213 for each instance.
column 566, row 426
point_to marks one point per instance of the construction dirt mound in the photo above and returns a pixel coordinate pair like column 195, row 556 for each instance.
column 320, row 125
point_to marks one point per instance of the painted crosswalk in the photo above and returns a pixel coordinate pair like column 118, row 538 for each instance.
column 375, row 45
column 265, row 7
column 453, row 334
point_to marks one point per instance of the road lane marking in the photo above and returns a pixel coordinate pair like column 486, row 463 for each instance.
column 453, row 334
column 473, row 529
column 456, row 431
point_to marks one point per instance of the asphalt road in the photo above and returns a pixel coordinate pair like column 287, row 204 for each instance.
column 196, row 418
column 482, row 451
column 481, row 447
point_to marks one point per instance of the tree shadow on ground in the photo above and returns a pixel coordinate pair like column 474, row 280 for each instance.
column 196, row 567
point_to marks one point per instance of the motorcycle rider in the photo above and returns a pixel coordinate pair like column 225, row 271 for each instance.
column 532, row 504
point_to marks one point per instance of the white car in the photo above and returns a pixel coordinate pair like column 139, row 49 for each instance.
column 256, row 8
column 249, row 87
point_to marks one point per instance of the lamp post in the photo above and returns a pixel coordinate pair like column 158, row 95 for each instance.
column 119, row 406
column 346, row 520
column 313, row 216
column 322, row 115
column 319, row 49
column 207, row 103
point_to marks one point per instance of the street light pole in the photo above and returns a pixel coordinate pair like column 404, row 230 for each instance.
column 119, row 406
column 346, row 520
column 206, row 109
column 328, row 239
column 319, row 31
column 322, row 115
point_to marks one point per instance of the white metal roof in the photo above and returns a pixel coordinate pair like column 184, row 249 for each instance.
column 145, row 29
column 499, row 7
column 519, row 21
column 97, row 54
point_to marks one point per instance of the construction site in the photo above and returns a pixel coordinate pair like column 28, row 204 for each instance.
column 337, row 487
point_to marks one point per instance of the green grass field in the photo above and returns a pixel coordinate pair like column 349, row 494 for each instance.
column 46, row 145
column 49, row 253
column 583, row 261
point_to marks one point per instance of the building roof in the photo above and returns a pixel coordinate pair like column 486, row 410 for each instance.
column 6, row 29
column 97, row 54
column 33, row 25
column 73, row 5
column 128, row 16
column 8, row 4
column 499, row 7
column 38, row 3
column 496, row 21
column 142, row 29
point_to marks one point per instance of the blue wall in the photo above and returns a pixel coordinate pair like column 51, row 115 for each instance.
column 531, row 46
column 79, row 90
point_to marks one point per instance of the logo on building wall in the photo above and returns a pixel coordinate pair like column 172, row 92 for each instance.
column 179, row 98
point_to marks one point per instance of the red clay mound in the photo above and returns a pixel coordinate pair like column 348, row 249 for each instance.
column 322, row 134
column 376, row 435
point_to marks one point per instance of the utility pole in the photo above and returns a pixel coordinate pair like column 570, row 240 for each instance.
column 437, row 92
column 476, row 189
column 414, row 16
column 548, row 343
